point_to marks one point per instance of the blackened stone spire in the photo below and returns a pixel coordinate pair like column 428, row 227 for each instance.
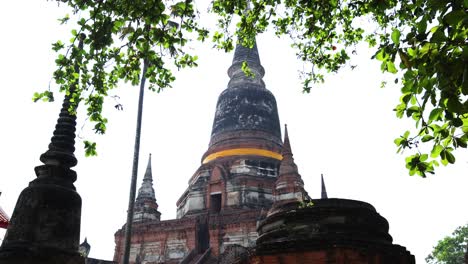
column 324, row 190
column 146, row 207
column 45, row 225
column 246, row 109
column 250, row 57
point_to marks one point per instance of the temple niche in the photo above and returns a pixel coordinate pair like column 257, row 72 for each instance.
column 246, row 203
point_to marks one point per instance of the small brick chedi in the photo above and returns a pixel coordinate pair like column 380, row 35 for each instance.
column 246, row 203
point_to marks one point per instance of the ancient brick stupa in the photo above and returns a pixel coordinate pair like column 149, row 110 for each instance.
column 247, row 185
column 320, row 231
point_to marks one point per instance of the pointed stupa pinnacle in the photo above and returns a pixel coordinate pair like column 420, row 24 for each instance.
column 146, row 207
column 286, row 144
column 324, row 190
column 60, row 154
column 146, row 190
column 246, row 52
column 249, row 56
column 148, row 174
column 288, row 165
column 289, row 185
column 62, row 143
column 62, row 146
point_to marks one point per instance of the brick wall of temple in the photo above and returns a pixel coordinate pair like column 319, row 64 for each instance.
column 165, row 241
column 172, row 240
column 235, row 228
column 334, row 256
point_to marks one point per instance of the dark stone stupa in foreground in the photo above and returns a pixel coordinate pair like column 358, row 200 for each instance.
column 246, row 203
column 45, row 225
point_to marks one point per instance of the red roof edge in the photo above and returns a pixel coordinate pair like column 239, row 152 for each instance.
column 4, row 219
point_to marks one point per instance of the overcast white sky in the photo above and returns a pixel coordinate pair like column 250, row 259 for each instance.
column 343, row 129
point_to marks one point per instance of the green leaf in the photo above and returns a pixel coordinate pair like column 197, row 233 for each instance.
column 46, row 96
column 381, row 55
column 400, row 110
column 383, row 84
column 454, row 105
column 461, row 142
column 36, row 97
column 424, row 157
column 64, row 19
column 450, row 157
column 90, row 148
column 398, row 141
column 396, row 36
column 391, row 67
column 413, row 110
column 406, row 134
column 465, row 125
column 436, row 151
column 436, row 114
column 57, row 45
column 246, row 69
column 439, row 35
column 444, row 162
column 422, row 25
column 427, row 138
column 457, row 122
column 454, row 17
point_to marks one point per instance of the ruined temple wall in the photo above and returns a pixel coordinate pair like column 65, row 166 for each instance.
column 158, row 242
column 237, row 228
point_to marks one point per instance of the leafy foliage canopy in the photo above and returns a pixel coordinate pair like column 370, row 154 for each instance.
column 422, row 42
column 118, row 36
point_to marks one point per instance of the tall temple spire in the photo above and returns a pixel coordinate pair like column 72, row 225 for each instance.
column 324, row 190
column 287, row 151
column 146, row 207
column 252, row 59
column 289, row 185
column 246, row 118
column 288, row 166
column 146, row 190
column 245, row 144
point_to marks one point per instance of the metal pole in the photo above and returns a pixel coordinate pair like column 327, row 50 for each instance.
column 136, row 155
